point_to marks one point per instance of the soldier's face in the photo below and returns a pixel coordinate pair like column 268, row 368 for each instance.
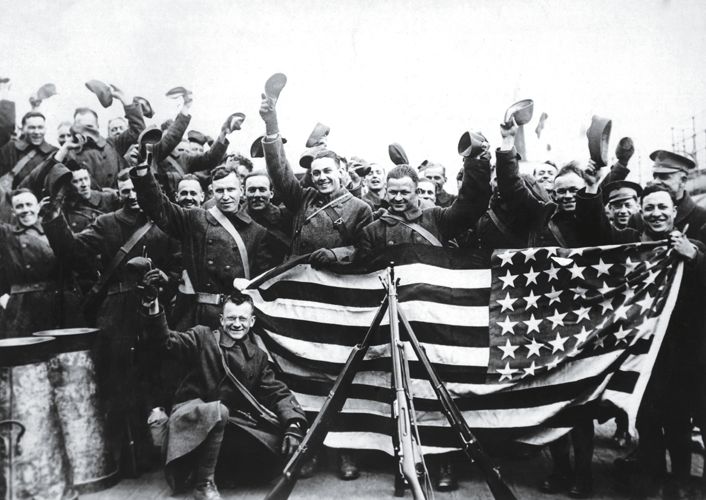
column 63, row 134
column 401, row 194
column 258, row 192
column 25, row 208
column 325, row 175
column 674, row 181
column 237, row 319
column 620, row 211
column 116, row 127
column 182, row 147
column 33, row 130
column 545, row 174
column 659, row 211
column 195, row 148
column 189, row 194
column 437, row 176
column 427, row 191
column 376, row 178
column 565, row 189
column 128, row 195
column 226, row 192
column 82, row 182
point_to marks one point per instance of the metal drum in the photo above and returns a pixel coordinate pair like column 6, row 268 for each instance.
column 37, row 468
column 72, row 373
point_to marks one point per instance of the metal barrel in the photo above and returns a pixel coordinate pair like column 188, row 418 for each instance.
column 76, row 394
column 37, row 468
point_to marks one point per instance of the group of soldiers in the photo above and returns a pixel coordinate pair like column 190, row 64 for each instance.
column 76, row 216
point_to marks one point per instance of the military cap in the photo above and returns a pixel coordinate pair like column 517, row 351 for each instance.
column 177, row 92
column 667, row 162
column 46, row 91
column 318, row 135
column 308, row 156
column 147, row 110
column 256, row 150
column 196, row 136
column 397, row 154
column 150, row 135
column 102, row 90
column 621, row 190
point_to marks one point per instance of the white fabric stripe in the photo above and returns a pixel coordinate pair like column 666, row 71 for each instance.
column 330, row 353
column 337, row 314
column 371, row 441
column 409, row 274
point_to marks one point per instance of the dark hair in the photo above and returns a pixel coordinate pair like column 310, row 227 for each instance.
column 19, row 191
column 242, row 160
column 239, row 298
column 571, row 168
column 401, row 171
column 257, row 173
column 123, row 175
column 327, row 153
column 222, row 171
column 84, row 111
column 32, row 114
column 653, row 187
column 190, row 177
column 426, row 164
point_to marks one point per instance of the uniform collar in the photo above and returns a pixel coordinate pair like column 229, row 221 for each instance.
column 326, row 198
column 20, row 229
column 130, row 217
column 241, row 216
column 269, row 214
column 245, row 344
column 44, row 147
column 410, row 214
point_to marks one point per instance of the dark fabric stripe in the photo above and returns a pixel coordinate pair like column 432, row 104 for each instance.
column 623, row 381
column 450, row 335
column 315, row 292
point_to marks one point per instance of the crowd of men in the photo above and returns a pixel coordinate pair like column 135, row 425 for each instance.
column 76, row 215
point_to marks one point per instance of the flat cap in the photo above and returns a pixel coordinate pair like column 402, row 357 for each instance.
column 196, row 136
column 256, row 149
column 102, row 90
column 621, row 190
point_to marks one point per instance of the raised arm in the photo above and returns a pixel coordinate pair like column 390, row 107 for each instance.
column 7, row 114
column 172, row 136
column 286, row 184
column 170, row 217
column 135, row 120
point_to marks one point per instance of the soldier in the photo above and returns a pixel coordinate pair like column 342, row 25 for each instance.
column 621, row 199
column 375, row 194
column 33, row 276
column 214, row 407
column 427, row 191
column 103, row 158
column 218, row 244
column 189, row 192
column 115, row 238
column 436, row 173
column 20, row 156
column 327, row 218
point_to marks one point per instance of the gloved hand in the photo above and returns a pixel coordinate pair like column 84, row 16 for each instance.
column 153, row 282
column 321, row 258
column 292, row 438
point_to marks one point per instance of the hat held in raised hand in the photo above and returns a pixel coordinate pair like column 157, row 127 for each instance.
column 598, row 135
column 522, row 112
column 177, row 92
column 318, row 135
column 102, row 90
column 472, row 144
column 145, row 105
column 274, row 85
column 256, row 149
column 397, row 154
column 235, row 121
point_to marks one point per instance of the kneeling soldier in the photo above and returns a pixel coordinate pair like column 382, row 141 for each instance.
column 229, row 391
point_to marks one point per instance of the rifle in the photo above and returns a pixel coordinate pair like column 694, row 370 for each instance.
column 406, row 446
column 333, row 404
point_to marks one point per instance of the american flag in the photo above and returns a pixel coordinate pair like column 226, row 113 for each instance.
column 525, row 340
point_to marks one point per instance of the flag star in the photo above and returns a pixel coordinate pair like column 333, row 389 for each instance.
column 557, row 319
column 622, row 311
column 606, row 304
column 621, row 335
column 650, row 279
column 553, row 296
column 579, row 292
column 605, row 289
column 507, row 372
column 601, row 267
column 533, row 324
column 531, row 276
column 577, row 271
column 599, row 342
column 531, row 300
column 507, row 302
column 530, row 370
column 551, row 251
column 630, row 266
column 646, row 303
column 534, row 348
column 552, row 273
column 508, row 349
column 553, row 363
column 508, row 279
column 529, row 254
column 650, row 264
column 582, row 313
column 629, row 293
column 581, row 337
column 558, row 343
column 506, row 257
column 576, row 251
column 507, row 326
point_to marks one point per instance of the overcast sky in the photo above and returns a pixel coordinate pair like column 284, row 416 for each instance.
column 414, row 72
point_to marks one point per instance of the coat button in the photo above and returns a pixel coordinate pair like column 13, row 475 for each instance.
column 210, row 241
column 24, row 245
column 210, row 262
column 227, row 267
column 390, row 242
column 28, row 266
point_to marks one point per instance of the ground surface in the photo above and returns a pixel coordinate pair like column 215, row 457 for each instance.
column 376, row 481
